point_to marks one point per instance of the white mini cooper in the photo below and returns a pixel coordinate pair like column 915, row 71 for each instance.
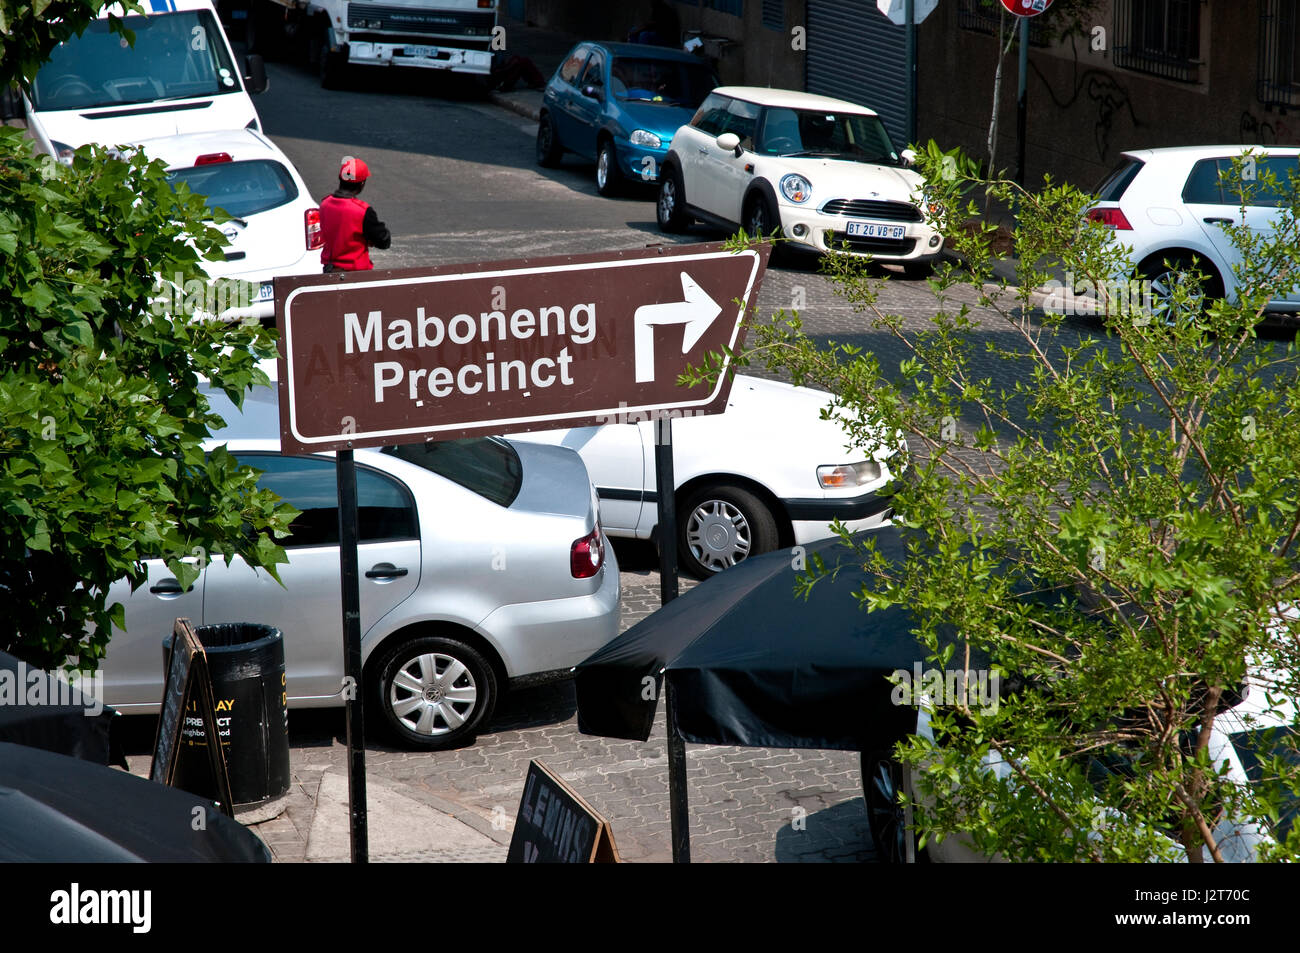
column 821, row 171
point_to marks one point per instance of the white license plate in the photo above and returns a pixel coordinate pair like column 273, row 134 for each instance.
column 423, row 52
column 266, row 292
column 876, row 230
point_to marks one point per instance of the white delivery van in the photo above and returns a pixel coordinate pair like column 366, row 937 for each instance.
column 179, row 76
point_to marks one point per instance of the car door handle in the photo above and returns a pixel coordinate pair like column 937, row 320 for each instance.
column 168, row 587
column 1220, row 221
column 704, row 152
column 385, row 571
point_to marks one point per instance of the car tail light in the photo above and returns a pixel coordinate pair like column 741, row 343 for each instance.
column 587, row 555
column 1110, row 217
column 311, row 228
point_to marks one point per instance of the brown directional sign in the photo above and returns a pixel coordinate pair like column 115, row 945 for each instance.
column 375, row 358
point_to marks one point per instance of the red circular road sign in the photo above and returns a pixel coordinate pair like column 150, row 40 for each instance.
column 1026, row 8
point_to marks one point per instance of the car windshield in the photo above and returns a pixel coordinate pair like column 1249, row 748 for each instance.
column 240, row 188
column 1259, row 747
column 175, row 56
column 808, row 132
column 488, row 466
column 660, row 81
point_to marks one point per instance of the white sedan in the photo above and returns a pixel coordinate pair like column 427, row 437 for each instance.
column 274, row 228
column 767, row 473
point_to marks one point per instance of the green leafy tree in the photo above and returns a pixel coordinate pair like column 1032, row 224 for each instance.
column 102, row 344
column 1115, row 533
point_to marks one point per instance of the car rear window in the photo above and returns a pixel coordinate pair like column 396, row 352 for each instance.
column 240, row 188
column 488, row 466
column 1112, row 187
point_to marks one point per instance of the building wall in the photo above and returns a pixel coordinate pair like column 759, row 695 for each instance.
column 1082, row 109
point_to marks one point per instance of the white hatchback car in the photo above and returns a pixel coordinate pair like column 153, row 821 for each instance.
column 1171, row 205
column 769, row 472
column 274, row 227
column 821, row 171
column 481, row 562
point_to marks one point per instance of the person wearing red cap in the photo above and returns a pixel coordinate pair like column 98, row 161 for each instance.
column 348, row 225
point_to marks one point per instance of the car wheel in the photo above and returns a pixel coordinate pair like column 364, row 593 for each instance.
column 333, row 67
column 549, row 150
column 435, row 692
column 890, row 822
column 760, row 220
column 1165, row 280
column 721, row 526
column 670, row 209
column 609, row 178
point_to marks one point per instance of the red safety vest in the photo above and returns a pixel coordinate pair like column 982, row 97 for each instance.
column 340, row 227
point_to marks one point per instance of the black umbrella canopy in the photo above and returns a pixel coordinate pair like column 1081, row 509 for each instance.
column 42, row 711
column 752, row 663
column 59, row 809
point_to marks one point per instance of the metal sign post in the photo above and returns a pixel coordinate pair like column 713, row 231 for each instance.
column 346, row 473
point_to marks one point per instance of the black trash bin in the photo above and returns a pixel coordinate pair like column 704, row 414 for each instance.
column 246, row 662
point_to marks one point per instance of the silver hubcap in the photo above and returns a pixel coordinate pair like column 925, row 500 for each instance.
column 433, row 694
column 718, row 535
column 602, row 168
column 667, row 200
column 1163, row 287
column 757, row 220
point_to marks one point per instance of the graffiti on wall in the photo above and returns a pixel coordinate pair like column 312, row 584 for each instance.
column 1107, row 98
column 1271, row 132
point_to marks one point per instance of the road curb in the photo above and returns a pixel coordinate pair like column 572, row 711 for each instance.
column 526, row 110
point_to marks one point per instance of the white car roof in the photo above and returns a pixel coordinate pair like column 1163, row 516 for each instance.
column 1193, row 153
column 241, row 144
column 157, row 6
column 791, row 99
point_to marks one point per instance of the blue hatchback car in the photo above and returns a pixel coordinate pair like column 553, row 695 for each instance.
column 619, row 104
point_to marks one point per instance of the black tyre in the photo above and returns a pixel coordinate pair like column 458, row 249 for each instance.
column 889, row 821
column 670, row 207
column 333, row 67
column 719, row 526
column 1166, row 279
column 434, row 692
column 609, row 178
column 760, row 218
column 549, row 149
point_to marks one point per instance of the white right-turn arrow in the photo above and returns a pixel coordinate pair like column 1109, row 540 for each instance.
column 697, row 312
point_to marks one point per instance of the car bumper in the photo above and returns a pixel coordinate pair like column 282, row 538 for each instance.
column 810, row 518
column 431, row 56
column 263, row 281
column 811, row 230
column 536, row 637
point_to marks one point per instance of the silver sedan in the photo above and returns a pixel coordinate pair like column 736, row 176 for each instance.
column 481, row 561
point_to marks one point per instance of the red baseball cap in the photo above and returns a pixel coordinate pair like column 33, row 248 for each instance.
column 353, row 170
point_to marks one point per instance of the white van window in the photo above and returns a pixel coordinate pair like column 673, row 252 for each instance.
column 176, row 56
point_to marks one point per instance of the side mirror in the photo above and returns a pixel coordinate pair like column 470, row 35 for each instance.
column 730, row 142
column 909, row 157
column 255, row 73
column 11, row 104
column 594, row 91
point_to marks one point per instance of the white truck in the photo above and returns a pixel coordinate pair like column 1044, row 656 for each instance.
column 453, row 35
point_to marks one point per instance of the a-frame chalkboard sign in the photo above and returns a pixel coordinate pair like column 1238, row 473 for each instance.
column 556, row 826
column 188, row 680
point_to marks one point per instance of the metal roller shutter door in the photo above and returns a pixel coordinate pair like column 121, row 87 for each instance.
column 855, row 53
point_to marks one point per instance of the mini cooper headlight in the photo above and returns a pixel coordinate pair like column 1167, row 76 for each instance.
column 796, row 188
column 641, row 137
